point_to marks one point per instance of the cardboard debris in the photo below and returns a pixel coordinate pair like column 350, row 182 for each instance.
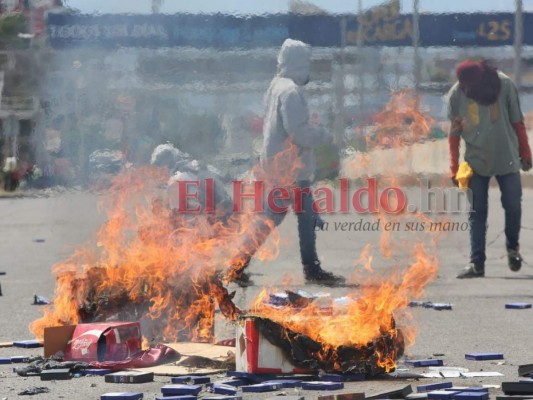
column 480, row 374
column 6, row 344
column 447, row 372
column 393, row 394
column 340, row 396
column 197, row 359
column 255, row 353
column 417, row 396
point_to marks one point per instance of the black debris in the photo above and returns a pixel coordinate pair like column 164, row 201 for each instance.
column 34, row 390
column 40, row 300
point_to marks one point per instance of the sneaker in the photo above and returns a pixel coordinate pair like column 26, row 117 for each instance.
column 325, row 278
column 471, row 271
column 514, row 259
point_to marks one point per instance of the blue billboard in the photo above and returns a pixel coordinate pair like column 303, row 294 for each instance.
column 385, row 28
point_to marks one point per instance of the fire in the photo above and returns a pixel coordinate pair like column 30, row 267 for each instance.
column 401, row 122
column 369, row 315
column 151, row 264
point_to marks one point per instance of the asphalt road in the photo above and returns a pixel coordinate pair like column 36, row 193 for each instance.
column 37, row 232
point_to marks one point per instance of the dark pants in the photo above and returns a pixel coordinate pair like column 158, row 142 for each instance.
column 511, row 197
column 306, row 232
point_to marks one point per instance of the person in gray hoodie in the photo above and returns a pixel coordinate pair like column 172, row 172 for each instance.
column 287, row 123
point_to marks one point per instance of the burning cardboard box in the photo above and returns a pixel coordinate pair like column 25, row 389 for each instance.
column 263, row 346
column 109, row 341
column 257, row 355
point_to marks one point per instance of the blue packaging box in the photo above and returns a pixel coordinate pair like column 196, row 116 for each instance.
column 177, row 390
column 286, row 383
column 221, row 388
column 5, row 360
column 342, row 377
column 175, row 398
column 518, row 306
column 94, row 371
column 425, row 363
column 191, row 379
column 322, row 385
column 471, row 396
column 28, row 344
column 433, row 386
column 484, row 356
column 20, row 359
column 442, row 395
column 122, row 396
column 442, row 306
column 261, row 387
column 220, row 398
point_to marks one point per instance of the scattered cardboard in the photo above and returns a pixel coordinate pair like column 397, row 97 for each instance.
column 480, row 374
column 6, row 344
column 56, row 339
column 342, row 396
column 196, row 359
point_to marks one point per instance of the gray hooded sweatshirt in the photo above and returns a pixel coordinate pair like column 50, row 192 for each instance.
column 287, row 114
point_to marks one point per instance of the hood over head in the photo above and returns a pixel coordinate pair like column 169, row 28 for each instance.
column 479, row 81
column 294, row 61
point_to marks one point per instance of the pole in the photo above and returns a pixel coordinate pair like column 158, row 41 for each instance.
column 360, row 42
column 518, row 35
column 416, row 43
column 339, row 89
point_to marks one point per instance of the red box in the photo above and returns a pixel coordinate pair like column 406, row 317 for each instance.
column 256, row 355
column 107, row 341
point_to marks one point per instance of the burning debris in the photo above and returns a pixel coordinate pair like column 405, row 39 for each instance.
column 165, row 269
column 401, row 122
column 309, row 354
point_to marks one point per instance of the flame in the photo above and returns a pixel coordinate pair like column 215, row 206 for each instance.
column 151, row 264
column 368, row 316
column 401, row 122
column 379, row 308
